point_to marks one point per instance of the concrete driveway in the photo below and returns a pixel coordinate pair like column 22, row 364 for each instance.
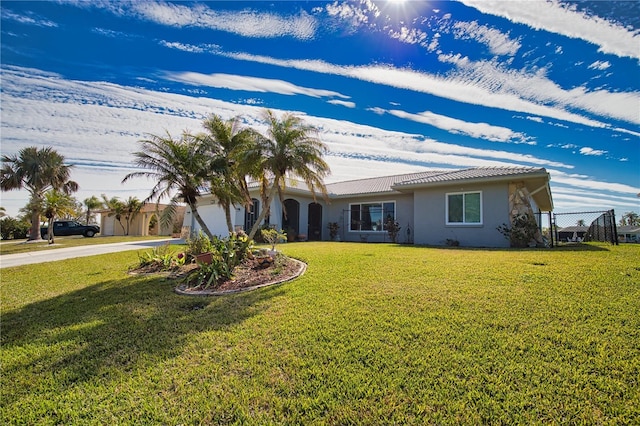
column 52, row 255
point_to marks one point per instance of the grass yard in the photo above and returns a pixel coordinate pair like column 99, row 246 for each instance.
column 371, row 334
column 21, row 246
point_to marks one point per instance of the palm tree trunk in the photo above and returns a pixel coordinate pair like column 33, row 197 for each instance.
column 50, row 231
column 265, row 208
column 34, row 233
column 196, row 215
column 227, row 215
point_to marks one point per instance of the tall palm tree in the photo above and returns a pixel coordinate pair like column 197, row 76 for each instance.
column 57, row 203
column 116, row 208
column 226, row 141
column 37, row 171
column 92, row 203
column 177, row 165
column 290, row 149
column 131, row 209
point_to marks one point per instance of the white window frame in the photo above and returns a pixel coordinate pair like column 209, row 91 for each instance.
column 464, row 221
column 382, row 203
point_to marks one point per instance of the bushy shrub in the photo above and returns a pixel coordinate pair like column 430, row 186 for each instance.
column 521, row 232
column 162, row 257
column 226, row 254
column 198, row 244
column 14, row 229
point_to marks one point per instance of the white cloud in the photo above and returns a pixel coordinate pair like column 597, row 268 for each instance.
column 347, row 104
column 28, row 19
column 189, row 47
column 483, row 83
column 590, row 151
column 562, row 19
column 600, row 65
column 498, row 43
column 253, row 84
column 44, row 109
column 246, row 22
column 453, row 125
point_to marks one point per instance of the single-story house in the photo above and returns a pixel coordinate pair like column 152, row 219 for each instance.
column 144, row 223
column 462, row 207
column 572, row 233
column 629, row 234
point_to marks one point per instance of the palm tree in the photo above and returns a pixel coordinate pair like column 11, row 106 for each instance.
column 57, row 203
column 131, row 209
column 226, row 141
column 36, row 170
column 116, row 208
column 290, row 149
column 179, row 166
column 92, row 203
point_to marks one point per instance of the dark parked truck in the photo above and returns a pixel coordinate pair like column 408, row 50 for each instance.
column 63, row 228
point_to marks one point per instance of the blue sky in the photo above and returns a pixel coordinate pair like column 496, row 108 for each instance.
column 393, row 86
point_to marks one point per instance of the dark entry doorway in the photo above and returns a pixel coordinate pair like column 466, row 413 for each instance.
column 291, row 217
column 315, row 222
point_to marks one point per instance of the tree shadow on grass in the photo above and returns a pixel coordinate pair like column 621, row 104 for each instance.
column 110, row 328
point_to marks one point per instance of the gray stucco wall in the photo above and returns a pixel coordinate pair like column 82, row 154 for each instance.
column 430, row 217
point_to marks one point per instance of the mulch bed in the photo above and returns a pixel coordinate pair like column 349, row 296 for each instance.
column 247, row 276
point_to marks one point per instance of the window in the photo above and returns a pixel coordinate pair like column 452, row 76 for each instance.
column 464, row 208
column 371, row 216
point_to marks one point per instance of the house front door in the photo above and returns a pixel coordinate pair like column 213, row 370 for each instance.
column 314, row 232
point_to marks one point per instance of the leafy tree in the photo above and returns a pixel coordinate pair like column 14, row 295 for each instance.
column 177, row 165
column 57, row 203
column 37, row 171
column 92, row 203
column 131, row 209
column 226, row 142
column 3, row 212
column 116, row 208
column 580, row 222
column 290, row 149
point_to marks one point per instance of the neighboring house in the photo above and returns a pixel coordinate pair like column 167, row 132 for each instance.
column 572, row 233
column 629, row 234
column 432, row 208
column 146, row 222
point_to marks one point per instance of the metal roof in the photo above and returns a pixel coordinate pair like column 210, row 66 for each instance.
column 374, row 185
column 477, row 173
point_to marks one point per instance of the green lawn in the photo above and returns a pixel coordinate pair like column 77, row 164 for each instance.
column 21, row 246
column 371, row 334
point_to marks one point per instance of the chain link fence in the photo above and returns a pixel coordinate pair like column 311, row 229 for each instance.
column 577, row 227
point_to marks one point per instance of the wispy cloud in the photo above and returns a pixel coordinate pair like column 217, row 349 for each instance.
column 27, row 19
column 185, row 47
column 454, row 125
column 347, row 104
column 483, row 83
column 600, row 65
column 498, row 43
column 590, row 151
column 562, row 19
column 114, row 117
column 246, row 22
column 252, row 84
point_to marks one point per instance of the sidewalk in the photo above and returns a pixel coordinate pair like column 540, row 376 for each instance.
column 42, row 256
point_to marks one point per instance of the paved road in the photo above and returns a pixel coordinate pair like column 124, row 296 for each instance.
column 52, row 255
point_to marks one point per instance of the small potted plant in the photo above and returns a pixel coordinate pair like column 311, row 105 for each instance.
column 333, row 230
